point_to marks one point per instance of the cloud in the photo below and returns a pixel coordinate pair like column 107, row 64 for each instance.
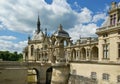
column 82, row 30
column 21, row 16
column 99, row 16
column 8, row 38
column 84, row 16
column 11, row 46
column 106, row 22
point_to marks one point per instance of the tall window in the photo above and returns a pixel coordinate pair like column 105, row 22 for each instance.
column 32, row 48
column 105, row 51
column 113, row 19
column 105, row 76
column 118, row 50
column 118, row 78
column 93, row 75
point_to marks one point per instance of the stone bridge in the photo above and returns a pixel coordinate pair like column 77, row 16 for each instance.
column 17, row 72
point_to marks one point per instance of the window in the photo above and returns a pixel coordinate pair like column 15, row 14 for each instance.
column 32, row 48
column 118, row 78
column 105, row 76
column 113, row 19
column 105, row 35
column 93, row 75
column 105, row 51
column 118, row 50
column 45, row 46
column 74, row 72
column 65, row 43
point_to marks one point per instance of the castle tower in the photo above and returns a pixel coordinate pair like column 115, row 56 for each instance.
column 108, row 35
column 60, row 68
column 114, row 13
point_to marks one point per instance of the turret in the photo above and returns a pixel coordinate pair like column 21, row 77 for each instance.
column 61, row 69
column 114, row 13
column 45, row 31
column 38, row 25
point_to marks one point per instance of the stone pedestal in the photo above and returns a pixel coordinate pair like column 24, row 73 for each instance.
column 60, row 74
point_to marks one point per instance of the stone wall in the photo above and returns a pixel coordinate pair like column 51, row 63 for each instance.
column 76, row 79
column 86, row 69
column 60, row 74
column 13, row 75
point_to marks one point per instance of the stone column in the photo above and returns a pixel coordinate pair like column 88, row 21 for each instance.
column 89, row 54
column 86, row 53
column 78, row 55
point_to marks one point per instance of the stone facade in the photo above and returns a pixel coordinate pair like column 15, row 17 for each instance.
column 92, row 59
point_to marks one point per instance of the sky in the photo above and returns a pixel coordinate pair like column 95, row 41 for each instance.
column 78, row 17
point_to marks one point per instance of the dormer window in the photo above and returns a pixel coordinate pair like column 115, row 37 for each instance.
column 113, row 19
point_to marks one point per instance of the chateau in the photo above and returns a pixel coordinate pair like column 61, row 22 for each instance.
column 90, row 60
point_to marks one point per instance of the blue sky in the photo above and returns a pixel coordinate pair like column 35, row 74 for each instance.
column 79, row 17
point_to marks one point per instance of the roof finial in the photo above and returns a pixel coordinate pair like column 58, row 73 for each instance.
column 29, row 38
column 46, row 31
column 38, row 24
column 60, row 27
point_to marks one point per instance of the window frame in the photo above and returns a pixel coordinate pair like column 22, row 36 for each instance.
column 106, row 51
column 105, row 76
column 93, row 75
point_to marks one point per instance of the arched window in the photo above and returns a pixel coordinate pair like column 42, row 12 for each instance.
column 32, row 48
column 94, row 53
column 65, row 43
column 73, row 55
column 83, row 54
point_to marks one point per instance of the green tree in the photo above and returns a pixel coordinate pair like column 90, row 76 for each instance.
column 8, row 56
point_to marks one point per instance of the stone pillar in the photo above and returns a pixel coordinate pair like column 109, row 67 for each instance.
column 78, row 55
column 90, row 54
column 86, row 53
column 60, row 74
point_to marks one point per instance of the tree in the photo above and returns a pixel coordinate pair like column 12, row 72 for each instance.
column 8, row 56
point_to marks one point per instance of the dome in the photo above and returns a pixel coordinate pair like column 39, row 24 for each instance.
column 38, row 36
column 60, row 32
